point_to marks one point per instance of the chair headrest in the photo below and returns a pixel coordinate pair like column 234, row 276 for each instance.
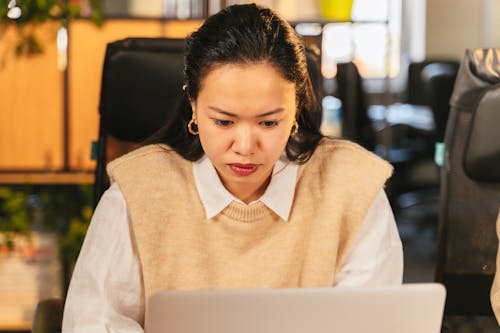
column 477, row 91
column 482, row 148
column 479, row 69
column 141, row 84
column 438, row 69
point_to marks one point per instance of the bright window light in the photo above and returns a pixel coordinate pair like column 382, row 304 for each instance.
column 371, row 41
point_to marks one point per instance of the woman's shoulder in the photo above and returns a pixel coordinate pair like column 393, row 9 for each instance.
column 338, row 152
column 338, row 147
column 147, row 155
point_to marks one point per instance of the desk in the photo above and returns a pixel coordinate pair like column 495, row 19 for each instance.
column 41, row 178
column 416, row 116
column 392, row 124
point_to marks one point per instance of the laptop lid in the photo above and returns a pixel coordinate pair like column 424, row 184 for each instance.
column 410, row 308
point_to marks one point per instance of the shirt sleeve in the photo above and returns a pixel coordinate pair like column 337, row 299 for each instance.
column 376, row 258
column 106, row 292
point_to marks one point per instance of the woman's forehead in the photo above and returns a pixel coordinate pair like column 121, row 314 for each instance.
column 251, row 89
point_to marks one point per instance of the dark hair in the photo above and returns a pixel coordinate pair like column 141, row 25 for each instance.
column 245, row 34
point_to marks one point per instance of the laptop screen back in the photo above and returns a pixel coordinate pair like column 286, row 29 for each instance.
column 411, row 308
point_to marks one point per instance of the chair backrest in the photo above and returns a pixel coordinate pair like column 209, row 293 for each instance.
column 470, row 186
column 438, row 79
column 48, row 316
column 141, row 83
column 356, row 125
column 430, row 83
column 415, row 93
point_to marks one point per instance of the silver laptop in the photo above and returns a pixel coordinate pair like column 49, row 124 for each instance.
column 408, row 308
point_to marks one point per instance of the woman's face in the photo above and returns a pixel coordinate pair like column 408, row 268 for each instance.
column 245, row 114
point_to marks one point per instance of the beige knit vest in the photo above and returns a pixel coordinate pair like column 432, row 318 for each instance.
column 246, row 246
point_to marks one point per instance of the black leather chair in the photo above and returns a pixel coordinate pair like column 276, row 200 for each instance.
column 414, row 188
column 470, row 188
column 438, row 79
column 356, row 125
column 141, row 83
column 48, row 316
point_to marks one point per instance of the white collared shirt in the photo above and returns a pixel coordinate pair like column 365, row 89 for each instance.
column 106, row 292
column 215, row 197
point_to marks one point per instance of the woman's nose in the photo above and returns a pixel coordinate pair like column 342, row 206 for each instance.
column 245, row 142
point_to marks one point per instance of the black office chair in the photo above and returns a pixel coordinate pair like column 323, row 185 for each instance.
column 141, row 83
column 48, row 316
column 438, row 79
column 356, row 125
column 470, row 189
column 414, row 188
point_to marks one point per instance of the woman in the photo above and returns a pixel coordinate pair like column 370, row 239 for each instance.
column 239, row 191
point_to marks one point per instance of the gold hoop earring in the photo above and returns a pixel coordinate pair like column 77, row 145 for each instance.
column 190, row 127
column 295, row 128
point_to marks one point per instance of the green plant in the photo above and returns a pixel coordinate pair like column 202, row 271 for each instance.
column 66, row 211
column 27, row 14
column 71, row 242
column 14, row 219
column 72, row 236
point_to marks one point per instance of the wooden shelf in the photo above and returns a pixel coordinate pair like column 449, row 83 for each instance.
column 55, row 178
column 15, row 327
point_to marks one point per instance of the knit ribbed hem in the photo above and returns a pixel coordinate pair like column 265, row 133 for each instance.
column 246, row 213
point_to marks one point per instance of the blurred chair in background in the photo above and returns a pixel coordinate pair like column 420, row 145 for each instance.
column 48, row 316
column 141, row 83
column 403, row 133
column 470, row 189
column 438, row 79
column 356, row 125
column 414, row 187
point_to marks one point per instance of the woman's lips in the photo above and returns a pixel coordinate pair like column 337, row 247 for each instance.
column 243, row 169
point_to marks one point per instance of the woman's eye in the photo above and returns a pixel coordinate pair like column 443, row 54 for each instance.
column 223, row 123
column 269, row 123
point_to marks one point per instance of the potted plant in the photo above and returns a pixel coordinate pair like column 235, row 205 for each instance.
column 23, row 211
column 41, row 231
column 28, row 14
column 14, row 217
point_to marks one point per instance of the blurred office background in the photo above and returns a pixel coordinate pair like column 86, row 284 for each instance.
column 376, row 88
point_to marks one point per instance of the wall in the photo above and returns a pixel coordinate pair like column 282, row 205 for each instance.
column 31, row 92
column 493, row 37
column 455, row 25
column 31, row 104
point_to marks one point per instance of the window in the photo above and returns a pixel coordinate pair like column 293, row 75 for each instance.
column 371, row 40
column 171, row 9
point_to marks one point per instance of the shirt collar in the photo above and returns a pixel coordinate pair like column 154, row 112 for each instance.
column 215, row 197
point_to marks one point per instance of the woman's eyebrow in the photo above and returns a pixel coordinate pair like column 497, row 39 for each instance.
column 275, row 111
column 216, row 109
